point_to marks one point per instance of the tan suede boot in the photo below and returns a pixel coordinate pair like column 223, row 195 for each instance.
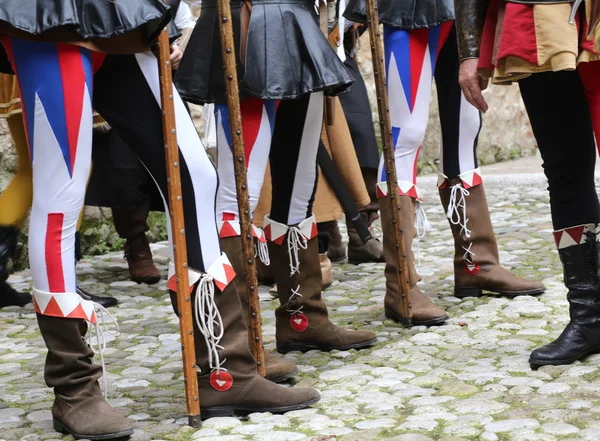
column 278, row 370
column 326, row 270
column 425, row 312
column 79, row 408
column 227, row 378
column 336, row 250
column 476, row 261
column 139, row 259
column 359, row 252
column 302, row 321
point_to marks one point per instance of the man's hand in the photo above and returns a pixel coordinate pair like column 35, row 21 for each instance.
column 176, row 54
column 472, row 84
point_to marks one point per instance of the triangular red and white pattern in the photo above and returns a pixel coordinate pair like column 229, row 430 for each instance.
column 231, row 228
column 222, row 272
column 258, row 233
column 574, row 235
column 471, row 178
column 193, row 277
column 405, row 188
column 274, row 231
column 65, row 305
column 308, row 227
column 442, row 181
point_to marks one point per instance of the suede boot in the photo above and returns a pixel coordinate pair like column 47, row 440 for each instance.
column 425, row 312
column 579, row 253
column 476, row 260
column 79, row 408
column 139, row 259
column 336, row 250
column 278, row 370
column 359, row 252
column 302, row 321
column 227, row 378
column 326, row 270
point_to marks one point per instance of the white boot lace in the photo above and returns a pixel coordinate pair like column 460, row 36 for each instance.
column 422, row 224
column 262, row 252
column 100, row 331
column 457, row 208
column 469, row 256
column 209, row 321
column 295, row 242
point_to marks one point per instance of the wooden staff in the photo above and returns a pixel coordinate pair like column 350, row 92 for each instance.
column 241, row 181
column 388, row 157
column 184, row 304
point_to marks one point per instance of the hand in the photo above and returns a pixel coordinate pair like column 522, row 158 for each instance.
column 472, row 84
column 176, row 55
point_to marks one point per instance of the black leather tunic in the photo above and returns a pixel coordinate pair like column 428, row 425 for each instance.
column 405, row 14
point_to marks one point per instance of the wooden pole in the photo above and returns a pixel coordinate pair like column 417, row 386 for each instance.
column 241, row 181
column 184, row 304
column 388, row 157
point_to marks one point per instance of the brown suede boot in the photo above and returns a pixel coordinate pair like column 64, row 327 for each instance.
column 476, row 261
column 227, row 378
column 359, row 252
column 278, row 370
column 79, row 408
column 302, row 321
column 425, row 312
column 326, row 270
column 336, row 250
column 139, row 259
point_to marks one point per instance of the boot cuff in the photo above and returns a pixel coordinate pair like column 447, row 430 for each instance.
column 231, row 228
column 405, row 188
column 577, row 235
column 469, row 179
column 64, row 305
column 275, row 232
column 221, row 271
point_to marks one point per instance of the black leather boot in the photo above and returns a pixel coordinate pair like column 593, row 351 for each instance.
column 104, row 301
column 579, row 250
column 8, row 243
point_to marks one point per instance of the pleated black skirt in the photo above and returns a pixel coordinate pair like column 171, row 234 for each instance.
column 89, row 19
column 286, row 56
column 404, row 14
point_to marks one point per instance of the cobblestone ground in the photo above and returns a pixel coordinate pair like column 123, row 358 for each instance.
column 468, row 380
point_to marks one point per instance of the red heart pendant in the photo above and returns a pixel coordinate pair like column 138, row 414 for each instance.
column 221, row 381
column 472, row 269
column 299, row 322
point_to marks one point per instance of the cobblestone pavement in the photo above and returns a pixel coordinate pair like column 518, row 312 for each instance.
column 468, row 380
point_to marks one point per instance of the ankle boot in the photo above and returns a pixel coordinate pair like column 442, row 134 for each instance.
column 139, row 259
column 79, row 408
column 579, row 253
column 425, row 312
column 359, row 252
column 227, row 378
column 8, row 242
column 278, row 370
column 476, row 260
column 104, row 301
column 11, row 297
column 302, row 321
column 336, row 250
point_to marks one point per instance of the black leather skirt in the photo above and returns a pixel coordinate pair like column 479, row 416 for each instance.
column 90, row 19
column 286, row 57
column 404, row 14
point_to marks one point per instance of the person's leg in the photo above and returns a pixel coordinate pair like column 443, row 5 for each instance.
column 476, row 259
column 56, row 85
column 15, row 203
column 291, row 229
column 228, row 380
column 410, row 61
column 258, row 119
column 589, row 74
column 562, row 127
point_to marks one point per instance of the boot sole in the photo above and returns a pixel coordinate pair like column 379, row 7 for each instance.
column 301, row 346
column 148, row 281
column 438, row 321
column 536, row 363
column 61, row 428
column 228, row 411
column 463, row 292
column 283, row 378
